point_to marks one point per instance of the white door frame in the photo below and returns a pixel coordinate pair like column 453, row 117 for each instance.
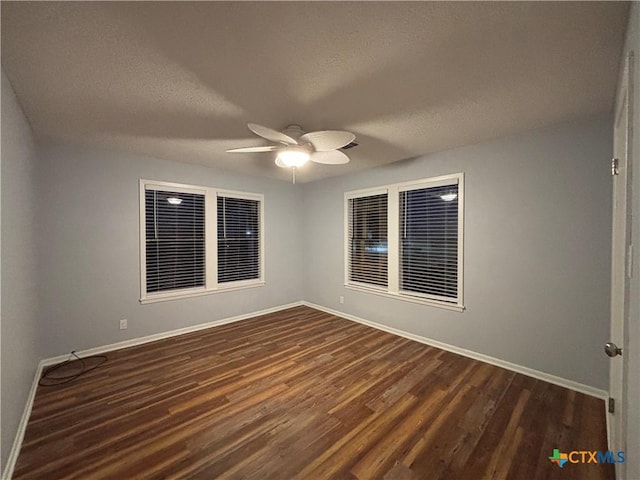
column 621, row 257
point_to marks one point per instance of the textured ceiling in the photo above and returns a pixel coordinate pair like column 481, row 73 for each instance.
column 181, row 80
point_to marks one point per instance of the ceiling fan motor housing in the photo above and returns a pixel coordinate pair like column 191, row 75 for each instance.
column 294, row 131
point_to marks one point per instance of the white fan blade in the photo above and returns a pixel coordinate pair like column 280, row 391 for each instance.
column 266, row 148
column 332, row 157
column 271, row 134
column 326, row 140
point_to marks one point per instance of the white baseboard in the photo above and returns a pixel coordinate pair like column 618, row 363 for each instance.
column 22, row 426
column 170, row 333
column 547, row 377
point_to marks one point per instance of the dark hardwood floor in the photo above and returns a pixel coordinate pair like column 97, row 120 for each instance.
column 306, row 395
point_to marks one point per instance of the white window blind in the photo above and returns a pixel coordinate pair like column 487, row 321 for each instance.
column 238, row 239
column 175, row 240
column 368, row 245
column 405, row 241
column 429, row 242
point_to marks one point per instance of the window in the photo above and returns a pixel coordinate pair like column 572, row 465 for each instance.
column 238, row 239
column 198, row 240
column 429, row 241
column 368, row 239
column 174, row 240
column 405, row 240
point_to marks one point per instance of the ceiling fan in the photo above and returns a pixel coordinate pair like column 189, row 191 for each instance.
column 295, row 147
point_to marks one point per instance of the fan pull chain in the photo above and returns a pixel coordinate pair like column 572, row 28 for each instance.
column 294, row 174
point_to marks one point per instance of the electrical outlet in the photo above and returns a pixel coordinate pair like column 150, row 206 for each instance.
column 123, row 324
column 341, row 300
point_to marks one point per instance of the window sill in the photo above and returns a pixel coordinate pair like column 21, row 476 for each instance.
column 407, row 298
column 180, row 296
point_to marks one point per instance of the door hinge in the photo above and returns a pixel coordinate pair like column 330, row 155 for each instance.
column 612, row 405
column 614, row 167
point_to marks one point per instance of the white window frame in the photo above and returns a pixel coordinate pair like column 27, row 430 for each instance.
column 211, row 242
column 393, row 242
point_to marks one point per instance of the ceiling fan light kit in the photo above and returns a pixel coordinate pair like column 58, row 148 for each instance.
column 292, row 156
column 294, row 147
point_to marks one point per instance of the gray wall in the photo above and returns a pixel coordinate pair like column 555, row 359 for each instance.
column 89, row 236
column 536, row 253
column 20, row 353
column 633, row 348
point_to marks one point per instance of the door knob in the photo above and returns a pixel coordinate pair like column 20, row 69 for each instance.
column 612, row 349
